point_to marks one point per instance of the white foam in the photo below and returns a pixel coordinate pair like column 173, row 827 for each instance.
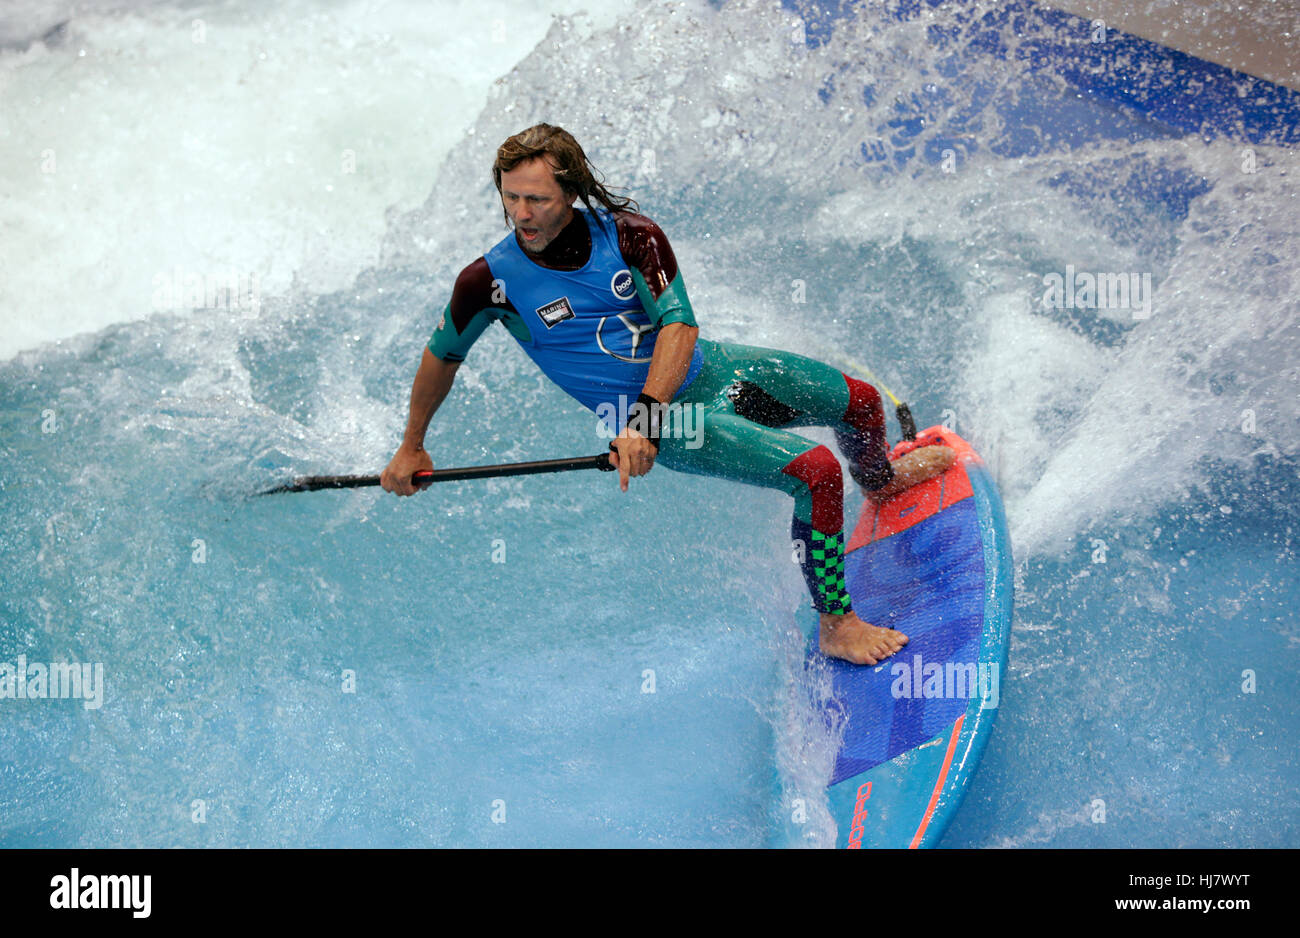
column 1078, row 430
column 213, row 140
column 1220, row 351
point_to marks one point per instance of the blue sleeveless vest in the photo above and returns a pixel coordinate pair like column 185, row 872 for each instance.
column 588, row 331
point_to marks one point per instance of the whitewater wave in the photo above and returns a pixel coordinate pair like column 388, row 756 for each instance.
column 874, row 198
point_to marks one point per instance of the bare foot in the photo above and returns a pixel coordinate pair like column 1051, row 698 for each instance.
column 924, row 462
column 848, row 637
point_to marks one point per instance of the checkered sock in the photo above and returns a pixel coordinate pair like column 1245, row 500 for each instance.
column 823, row 567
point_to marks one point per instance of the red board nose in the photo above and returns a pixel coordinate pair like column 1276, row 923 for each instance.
column 921, row 501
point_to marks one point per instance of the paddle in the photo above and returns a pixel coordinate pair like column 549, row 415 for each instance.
column 315, row 483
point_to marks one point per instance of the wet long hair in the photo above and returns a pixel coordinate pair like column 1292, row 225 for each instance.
column 573, row 171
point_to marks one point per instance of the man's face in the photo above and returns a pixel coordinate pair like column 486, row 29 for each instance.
column 536, row 203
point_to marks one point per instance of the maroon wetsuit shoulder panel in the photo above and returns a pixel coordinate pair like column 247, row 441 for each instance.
column 644, row 245
column 473, row 293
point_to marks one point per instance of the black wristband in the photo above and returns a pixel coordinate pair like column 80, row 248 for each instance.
column 647, row 426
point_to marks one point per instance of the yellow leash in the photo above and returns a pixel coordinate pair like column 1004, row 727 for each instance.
column 870, row 376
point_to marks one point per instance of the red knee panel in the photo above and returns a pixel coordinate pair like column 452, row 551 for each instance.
column 866, row 412
column 820, row 471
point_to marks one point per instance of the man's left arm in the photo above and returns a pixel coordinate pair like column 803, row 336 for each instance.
column 671, row 361
column 663, row 295
column 634, row 454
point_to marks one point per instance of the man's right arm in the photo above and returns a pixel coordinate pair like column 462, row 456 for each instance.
column 432, row 383
column 468, row 313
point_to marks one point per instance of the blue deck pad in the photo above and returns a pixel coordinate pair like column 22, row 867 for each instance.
column 927, row 582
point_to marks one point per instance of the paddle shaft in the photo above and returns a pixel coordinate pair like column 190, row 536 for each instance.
column 424, row 476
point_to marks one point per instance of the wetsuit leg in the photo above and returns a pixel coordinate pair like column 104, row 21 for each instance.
column 782, row 389
column 735, row 448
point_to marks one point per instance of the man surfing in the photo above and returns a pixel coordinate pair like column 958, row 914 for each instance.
column 594, row 297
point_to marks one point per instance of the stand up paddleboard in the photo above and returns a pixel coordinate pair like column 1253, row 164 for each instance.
column 933, row 562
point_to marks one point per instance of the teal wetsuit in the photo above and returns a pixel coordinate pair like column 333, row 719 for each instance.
column 744, row 399
column 588, row 309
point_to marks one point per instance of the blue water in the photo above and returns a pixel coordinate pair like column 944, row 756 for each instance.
column 549, row 662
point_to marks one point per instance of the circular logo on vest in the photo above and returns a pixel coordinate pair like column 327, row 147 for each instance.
column 628, row 337
column 622, row 285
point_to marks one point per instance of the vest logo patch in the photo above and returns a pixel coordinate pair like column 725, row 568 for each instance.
column 556, row 311
column 622, row 285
